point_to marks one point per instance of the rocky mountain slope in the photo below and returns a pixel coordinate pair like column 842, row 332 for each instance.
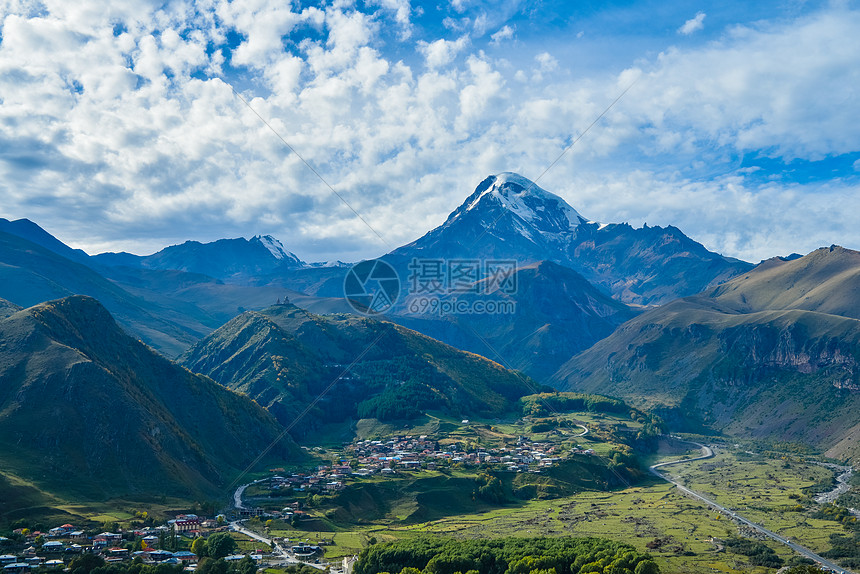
column 774, row 353
column 87, row 410
column 555, row 314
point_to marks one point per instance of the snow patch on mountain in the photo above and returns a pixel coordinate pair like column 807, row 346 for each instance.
column 543, row 211
column 275, row 247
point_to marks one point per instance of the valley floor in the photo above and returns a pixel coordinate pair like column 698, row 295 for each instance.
column 682, row 533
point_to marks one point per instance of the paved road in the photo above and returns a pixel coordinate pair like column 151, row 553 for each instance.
column 584, row 430
column 280, row 554
column 707, row 452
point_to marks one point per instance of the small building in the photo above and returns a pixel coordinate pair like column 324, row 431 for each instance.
column 185, row 523
column 117, row 552
column 53, row 546
column 106, row 539
column 305, row 550
column 185, row 556
column 159, row 555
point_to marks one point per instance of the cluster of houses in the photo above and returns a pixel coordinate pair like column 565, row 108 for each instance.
column 418, row 453
column 410, row 453
column 65, row 542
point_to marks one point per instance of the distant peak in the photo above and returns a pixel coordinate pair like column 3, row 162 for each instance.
column 544, row 211
column 275, row 247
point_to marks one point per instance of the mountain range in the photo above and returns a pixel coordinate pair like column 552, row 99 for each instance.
column 577, row 279
column 510, row 217
column 90, row 412
column 234, row 260
column 646, row 314
column 773, row 353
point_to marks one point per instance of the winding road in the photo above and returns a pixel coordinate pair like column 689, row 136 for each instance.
column 707, row 452
column 281, row 554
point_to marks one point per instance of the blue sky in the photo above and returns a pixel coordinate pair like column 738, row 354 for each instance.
column 120, row 130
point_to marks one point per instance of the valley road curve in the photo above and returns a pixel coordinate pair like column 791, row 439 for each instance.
column 707, row 452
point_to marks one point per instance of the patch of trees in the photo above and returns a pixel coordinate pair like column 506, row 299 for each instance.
column 845, row 548
column 406, row 400
column 94, row 564
column 624, row 464
column 544, row 404
column 489, row 488
column 218, row 545
column 504, row 556
column 546, row 425
column 759, row 554
column 830, row 511
column 220, row 566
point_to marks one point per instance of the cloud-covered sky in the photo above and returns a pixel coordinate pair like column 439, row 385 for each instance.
column 124, row 125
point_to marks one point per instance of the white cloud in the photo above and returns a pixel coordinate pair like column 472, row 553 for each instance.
column 780, row 87
column 442, row 52
column 118, row 127
column 505, row 33
column 693, row 24
column 402, row 15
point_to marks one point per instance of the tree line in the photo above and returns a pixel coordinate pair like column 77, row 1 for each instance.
column 433, row 555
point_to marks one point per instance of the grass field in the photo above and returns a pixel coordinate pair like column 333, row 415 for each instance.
column 637, row 515
column 764, row 490
column 22, row 500
column 681, row 533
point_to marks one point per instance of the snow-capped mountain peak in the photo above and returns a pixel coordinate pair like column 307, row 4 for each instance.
column 536, row 207
column 275, row 247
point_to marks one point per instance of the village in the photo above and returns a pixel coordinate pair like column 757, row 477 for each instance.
column 408, row 453
column 54, row 549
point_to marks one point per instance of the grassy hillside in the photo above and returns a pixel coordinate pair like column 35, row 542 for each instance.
column 31, row 274
column 284, row 357
column 764, row 355
column 88, row 411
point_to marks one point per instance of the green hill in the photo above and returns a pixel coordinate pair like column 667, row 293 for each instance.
column 774, row 353
column 283, row 357
column 31, row 274
column 88, row 412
